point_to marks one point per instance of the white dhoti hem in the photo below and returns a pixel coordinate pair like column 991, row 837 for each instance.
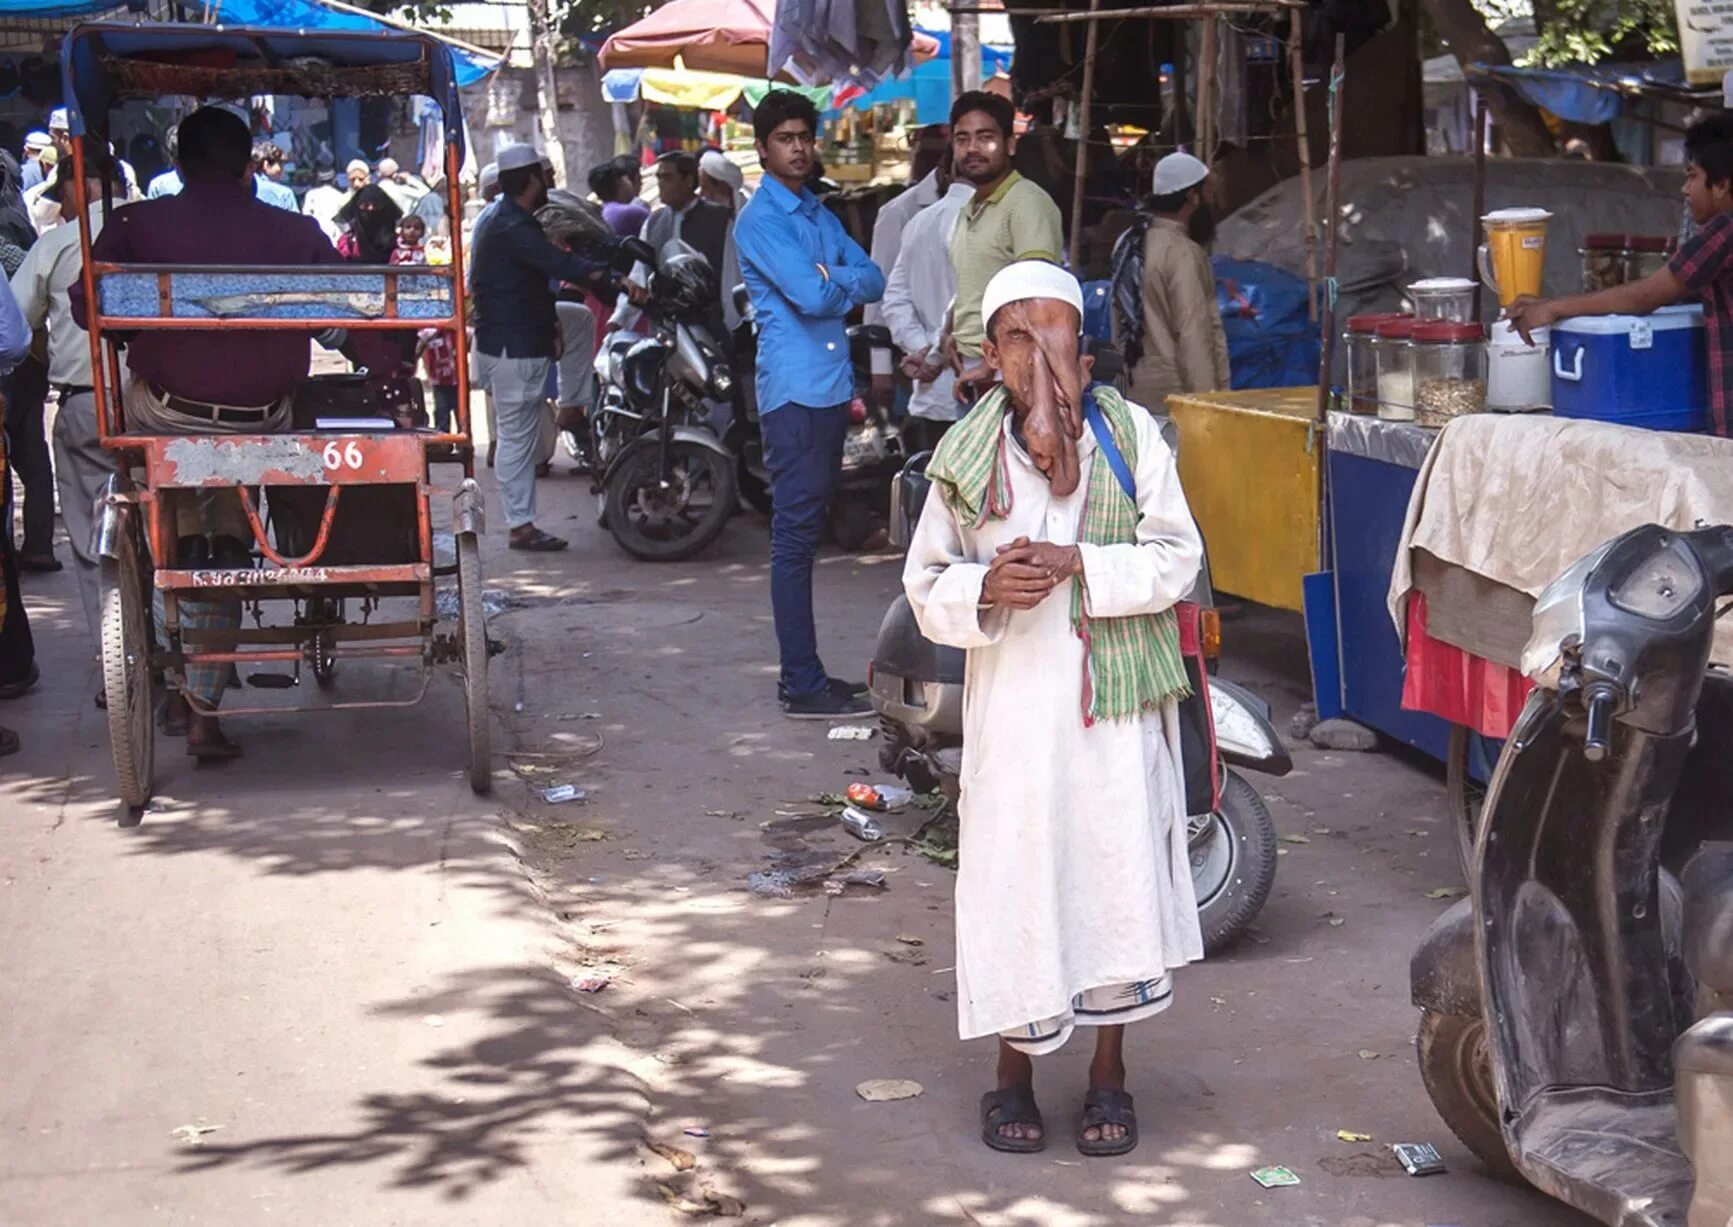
column 1111, row 1005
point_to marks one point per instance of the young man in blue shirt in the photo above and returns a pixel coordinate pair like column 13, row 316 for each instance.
column 805, row 275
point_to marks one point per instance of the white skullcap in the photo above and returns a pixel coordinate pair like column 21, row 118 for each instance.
column 515, row 157
column 57, row 121
column 1177, row 172
column 38, row 140
column 718, row 167
column 358, row 165
column 1028, row 279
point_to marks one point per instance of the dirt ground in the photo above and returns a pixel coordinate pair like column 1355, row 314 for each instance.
column 332, row 984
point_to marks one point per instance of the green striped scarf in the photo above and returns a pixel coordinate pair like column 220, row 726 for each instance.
column 1130, row 665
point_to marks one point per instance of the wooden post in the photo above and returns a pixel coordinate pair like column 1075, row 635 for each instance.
column 1332, row 196
column 965, row 50
column 1206, row 88
column 1296, row 63
column 1479, row 196
column 543, row 53
column 1085, row 105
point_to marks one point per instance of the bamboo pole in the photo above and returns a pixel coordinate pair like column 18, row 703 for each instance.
column 1296, row 63
column 1206, row 89
column 1171, row 12
column 1479, row 197
column 1085, row 104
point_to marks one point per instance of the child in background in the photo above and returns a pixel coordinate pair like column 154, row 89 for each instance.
column 438, row 352
column 411, row 241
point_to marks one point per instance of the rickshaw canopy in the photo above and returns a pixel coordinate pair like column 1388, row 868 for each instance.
column 103, row 63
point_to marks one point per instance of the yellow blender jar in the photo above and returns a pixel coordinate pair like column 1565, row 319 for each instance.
column 1514, row 254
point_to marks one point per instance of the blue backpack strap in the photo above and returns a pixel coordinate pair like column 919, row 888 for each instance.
column 1109, row 448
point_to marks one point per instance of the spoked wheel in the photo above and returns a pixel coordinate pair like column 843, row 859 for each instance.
column 1464, row 795
column 662, row 521
column 472, row 625
column 1233, row 862
column 323, row 613
column 1457, row 1070
column 127, row 680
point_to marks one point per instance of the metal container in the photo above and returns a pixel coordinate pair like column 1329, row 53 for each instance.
column 1618, row 259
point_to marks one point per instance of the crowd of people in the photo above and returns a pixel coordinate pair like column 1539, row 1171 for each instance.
column 1046, row 483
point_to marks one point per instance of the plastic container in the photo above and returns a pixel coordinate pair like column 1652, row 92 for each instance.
column 1637, row 370
column 1395, row 365
column 1616, row 259
column 1443, row 298
column 1362, row 361
column 1514, row 254
column 1518, row 375
column 1449, row 360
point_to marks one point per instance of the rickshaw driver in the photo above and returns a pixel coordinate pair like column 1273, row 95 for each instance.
column 212, row 383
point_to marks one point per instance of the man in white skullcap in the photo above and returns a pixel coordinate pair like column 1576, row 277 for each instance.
column 1054, row 547
column 33, row 170
column 1164, row 292
column 513, row 267
column 721, row 182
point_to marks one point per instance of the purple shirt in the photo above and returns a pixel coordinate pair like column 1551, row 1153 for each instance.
column 215, row 221
column 626, row 219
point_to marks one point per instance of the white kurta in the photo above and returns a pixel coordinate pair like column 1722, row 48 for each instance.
column 1073, row 871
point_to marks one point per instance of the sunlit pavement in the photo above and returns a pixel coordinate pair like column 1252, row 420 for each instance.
column 328, row 984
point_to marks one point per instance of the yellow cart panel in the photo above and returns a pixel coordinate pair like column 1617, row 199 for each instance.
column 1249, row 464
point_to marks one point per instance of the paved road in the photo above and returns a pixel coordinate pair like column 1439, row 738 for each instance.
column 358, row 978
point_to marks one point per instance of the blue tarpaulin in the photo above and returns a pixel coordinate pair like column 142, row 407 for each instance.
column 929, row 84
column 1589, row 94
column 1272, row 339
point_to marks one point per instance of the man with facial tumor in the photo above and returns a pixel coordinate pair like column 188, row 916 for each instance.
column 1053, row 548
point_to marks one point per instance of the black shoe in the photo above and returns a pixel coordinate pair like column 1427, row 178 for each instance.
column 846, row 690
column 826, row 705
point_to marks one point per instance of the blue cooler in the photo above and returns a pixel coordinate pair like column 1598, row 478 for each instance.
column 1636, row 370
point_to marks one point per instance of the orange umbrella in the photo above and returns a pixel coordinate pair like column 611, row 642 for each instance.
column 709, row 36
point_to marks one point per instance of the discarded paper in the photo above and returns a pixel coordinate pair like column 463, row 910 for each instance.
column 1295, row 839
column 1275, row 1177
column 192, row 1135
column 1447, row 892
column 1348, row 1135
column 883, row 1090
column 696, row 1131
column 1366, row 1054
column 852, row 732
column 564, row 792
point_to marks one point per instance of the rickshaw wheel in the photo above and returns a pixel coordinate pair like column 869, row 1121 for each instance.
column 473, row 625
column 127, row 678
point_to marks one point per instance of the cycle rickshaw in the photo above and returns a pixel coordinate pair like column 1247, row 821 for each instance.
column 351, row 523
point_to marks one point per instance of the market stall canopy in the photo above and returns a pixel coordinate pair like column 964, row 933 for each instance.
column 928, row 83
column 470, row 64
column 1596, row 93
column 102, row 63
column 703, row 91
column 717, row 36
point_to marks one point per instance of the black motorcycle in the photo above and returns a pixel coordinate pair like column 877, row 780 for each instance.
column 663, row 479
column 872, row 450
column 1577, row 1009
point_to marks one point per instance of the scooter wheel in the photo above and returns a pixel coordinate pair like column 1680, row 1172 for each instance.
column 1233, row 863
column 1457, row 1071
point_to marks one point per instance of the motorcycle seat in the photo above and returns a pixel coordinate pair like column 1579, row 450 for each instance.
column 1708, row 924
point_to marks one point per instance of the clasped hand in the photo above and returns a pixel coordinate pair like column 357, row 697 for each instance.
column 1025, row 571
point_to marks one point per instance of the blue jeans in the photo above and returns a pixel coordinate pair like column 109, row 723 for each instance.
column 803, row 450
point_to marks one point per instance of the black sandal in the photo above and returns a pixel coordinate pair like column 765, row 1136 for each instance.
column 23, row 686
column 1102, row 1106
column 1014, row 1105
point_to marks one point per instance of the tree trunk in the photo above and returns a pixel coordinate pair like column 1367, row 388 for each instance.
column 1464, row 32
column 543, row 50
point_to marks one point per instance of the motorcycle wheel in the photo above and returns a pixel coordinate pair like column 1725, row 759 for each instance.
column 657, row 524
column 1464, row 796
column 1457, row 1071
column 1233, row 862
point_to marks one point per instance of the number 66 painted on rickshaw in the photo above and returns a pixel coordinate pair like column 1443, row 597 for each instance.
column 313, row 558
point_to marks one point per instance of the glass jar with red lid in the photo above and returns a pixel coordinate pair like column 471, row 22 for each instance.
column 1358, row 339
column 1449, row 362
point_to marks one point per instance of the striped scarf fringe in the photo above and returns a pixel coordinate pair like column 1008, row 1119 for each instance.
column 1131, row 666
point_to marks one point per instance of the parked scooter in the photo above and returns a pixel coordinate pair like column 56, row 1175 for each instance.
column 917, row 688
column 663, row 479
column 1577, row 1009
column 872, row 450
